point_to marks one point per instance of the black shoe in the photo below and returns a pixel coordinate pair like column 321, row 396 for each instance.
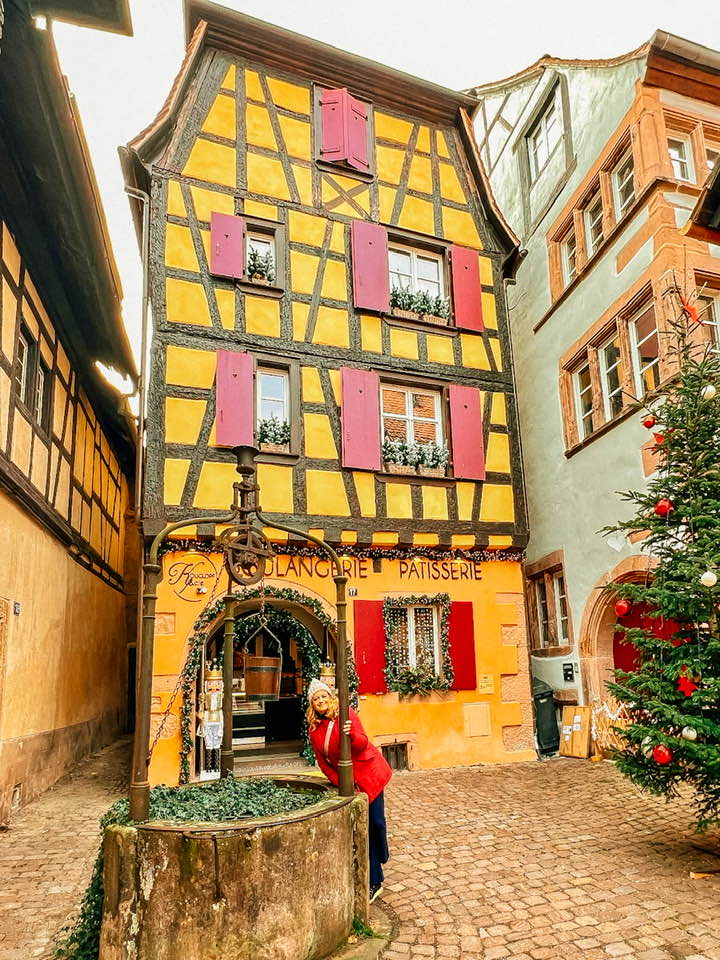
column 375, row 892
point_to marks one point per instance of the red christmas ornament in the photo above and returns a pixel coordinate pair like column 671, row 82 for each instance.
column 662, row 754
column 623, row 608
column 686, row 685
column 649, row 421
column 663, row 507
column 659, row 438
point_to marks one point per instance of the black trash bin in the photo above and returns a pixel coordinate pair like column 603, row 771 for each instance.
column 546, row 725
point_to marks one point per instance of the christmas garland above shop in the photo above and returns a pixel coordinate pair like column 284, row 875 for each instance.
column 305, row 640
column 299, row 549
column 421, row 679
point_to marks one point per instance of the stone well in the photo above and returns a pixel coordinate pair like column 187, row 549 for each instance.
column 276, row 888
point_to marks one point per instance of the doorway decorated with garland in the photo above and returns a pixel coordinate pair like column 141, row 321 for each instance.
column 283, row 638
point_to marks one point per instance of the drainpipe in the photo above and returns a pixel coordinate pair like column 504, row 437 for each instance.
column 144, row 197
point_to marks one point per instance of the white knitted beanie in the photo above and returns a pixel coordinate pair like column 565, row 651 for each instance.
column 316, row 686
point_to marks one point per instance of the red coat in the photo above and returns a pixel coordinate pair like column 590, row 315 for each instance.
column 371, row 771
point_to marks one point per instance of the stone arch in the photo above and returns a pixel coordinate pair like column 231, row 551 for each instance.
column 598, row 625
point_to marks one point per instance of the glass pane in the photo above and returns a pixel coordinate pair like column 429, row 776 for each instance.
column 651, row 377
column 611, row 354
column 394, row 401
column 400, row 269
column 399, row 625
column 272, row 408
column 645, row 324
column 272, row 385
column 712, row 156
column 423, row 405
column 260, row 245
column 424, row 637
column 395, row 429
column 429, row 286
column 425, row 431
column 428, row 269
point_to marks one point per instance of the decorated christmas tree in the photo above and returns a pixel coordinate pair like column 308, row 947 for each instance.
column 672, row 698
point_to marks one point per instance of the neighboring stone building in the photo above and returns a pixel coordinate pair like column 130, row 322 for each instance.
column 292, row 186
column 66, row 452
column 597, row 166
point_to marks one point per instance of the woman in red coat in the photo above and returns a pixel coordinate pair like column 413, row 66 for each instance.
column 371, row 771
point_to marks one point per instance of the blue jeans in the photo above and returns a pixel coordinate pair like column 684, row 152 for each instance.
column 379, row 852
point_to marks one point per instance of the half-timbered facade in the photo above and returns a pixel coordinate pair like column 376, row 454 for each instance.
column 327, row 278
column 66, row 453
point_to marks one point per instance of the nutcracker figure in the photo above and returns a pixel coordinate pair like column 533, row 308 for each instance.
column 210, row 714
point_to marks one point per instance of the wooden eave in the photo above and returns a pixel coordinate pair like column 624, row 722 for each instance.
column 50, row 200
column 683, row 66
column 704, row 222
column 321, row 63
column 110, row 15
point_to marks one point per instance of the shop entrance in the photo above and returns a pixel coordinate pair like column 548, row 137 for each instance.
column 274, row 657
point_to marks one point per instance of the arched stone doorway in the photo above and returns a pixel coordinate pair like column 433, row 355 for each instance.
column 313, row 628
column 597, row 632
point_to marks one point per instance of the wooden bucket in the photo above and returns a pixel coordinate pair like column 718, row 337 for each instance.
column 262, row 677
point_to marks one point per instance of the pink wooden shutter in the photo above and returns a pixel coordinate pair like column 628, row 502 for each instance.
column 360, row 419
column 467, row 301
column 227, row 245
column 371, row 279
column 370, row 646
column 333, row 118
column 357, row 134
column 466, row 430
column 234, row 400
column 461, row 635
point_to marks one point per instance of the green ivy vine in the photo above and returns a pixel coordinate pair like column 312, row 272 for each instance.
column 277, row 619
column 420, row 680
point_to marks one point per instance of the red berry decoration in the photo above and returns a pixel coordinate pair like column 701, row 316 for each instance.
column 662, row 754
column 663, row 507
column 623, row 608
column 659, row 438
column 649, row 421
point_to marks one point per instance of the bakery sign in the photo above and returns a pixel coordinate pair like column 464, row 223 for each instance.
column 194, row 576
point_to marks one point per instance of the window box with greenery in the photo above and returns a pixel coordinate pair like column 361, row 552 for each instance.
column 399, row 456
column 273, row 435
column 417, row 645
column 432, row 459
column 422, row 306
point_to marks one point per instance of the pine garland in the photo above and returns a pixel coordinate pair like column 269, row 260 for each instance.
column 420, row 680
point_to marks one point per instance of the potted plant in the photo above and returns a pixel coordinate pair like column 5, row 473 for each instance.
column 419, row 306
column 399, row 456
column 260, row 267
column 273, row 435
column 432, row 459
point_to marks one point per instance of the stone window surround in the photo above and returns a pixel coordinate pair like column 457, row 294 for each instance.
column 546, row 568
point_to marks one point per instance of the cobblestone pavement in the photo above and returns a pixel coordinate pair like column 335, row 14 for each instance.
column 46, row 856
column 560, row 860
column 557, row 860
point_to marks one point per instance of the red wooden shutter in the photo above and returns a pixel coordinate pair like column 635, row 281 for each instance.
column 461, row 635
column 371, row 279
column 360, row 419
column 333, row 118
column 227, row 245
column 370, row 646
column 357, row 134
column 465, row 265
column 466, row 430
column 234, row 401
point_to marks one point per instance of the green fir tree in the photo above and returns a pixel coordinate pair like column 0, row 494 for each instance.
column 672, row 699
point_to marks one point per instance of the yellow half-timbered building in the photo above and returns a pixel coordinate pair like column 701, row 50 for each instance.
column 327, row 269
column 66, row 448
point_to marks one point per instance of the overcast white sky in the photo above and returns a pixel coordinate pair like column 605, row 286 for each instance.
column 120, row 82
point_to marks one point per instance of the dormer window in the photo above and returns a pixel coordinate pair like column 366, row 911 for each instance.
column 544, row 136
column 343, row 129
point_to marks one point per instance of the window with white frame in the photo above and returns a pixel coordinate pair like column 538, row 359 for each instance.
column 416, row 637
column 611, row 376
column 712, row 154
column 543, row 612
column 544, row 136
column 260, row 255
column 593, row 215
column 419, row 271
column 273, row 395
column 411, row 415
column 681, row 157
column 562, row 620
column 708, row 307
column 645, row 351
column 584, row 400
column 569, row 257
column 623, row 181
column 23, row 372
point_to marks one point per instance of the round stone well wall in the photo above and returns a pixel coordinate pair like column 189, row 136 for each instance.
column 275, row 888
